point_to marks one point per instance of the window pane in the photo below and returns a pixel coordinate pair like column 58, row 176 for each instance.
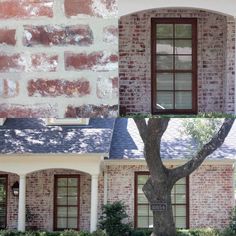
column 183, row 31
column 62, row 200
column 180, row 198
column 164, row 62
column 183, row 46
column 140, row 189
column 72, row 223
column 164, row 30
column 181, row 181
column 164, row 81
column 142, row 198
column 180, row 222
column 165, row 47
column 62, row 211
column 62, row 223
column 72, row 182
column 62, row 191
column 180, row 210
column 72, row 211
column 72, row 191
column 142, row 179
column 183, row 81
column 180, row 189
column 165, row 100
column 183, row 62
column 150, row 222
column 183, row 100
column 62, row 182
column 143, row 210
column 143, row 222
column 72, row 200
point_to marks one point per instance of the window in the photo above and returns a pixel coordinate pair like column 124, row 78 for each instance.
column 66, row 202
column 3, row 201
column 143, row 214
column 174, row 66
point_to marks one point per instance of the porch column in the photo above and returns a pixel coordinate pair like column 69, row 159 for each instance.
column 94, row 203
column 21, row 207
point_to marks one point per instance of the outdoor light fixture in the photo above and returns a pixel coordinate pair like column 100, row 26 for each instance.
column 15, row 189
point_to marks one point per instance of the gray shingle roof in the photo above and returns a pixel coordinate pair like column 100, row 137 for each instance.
column 127, row 143
column 34, row 136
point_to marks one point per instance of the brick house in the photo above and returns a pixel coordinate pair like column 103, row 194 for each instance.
column 177, row 57
column 60, row 175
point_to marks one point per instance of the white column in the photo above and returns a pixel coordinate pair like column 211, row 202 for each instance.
column 21, row 207
column 94, row 203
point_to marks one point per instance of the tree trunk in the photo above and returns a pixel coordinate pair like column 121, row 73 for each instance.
column 159, row 197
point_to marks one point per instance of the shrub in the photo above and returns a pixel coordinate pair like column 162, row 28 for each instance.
column 198, row 232
column 99, row 233
column 112, row 219
column 143, row 232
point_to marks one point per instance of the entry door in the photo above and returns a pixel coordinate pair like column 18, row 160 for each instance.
column 66, row 202
column 3, row 202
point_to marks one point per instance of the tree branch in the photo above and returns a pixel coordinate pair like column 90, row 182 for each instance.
column 186, row 169
column 142, row 127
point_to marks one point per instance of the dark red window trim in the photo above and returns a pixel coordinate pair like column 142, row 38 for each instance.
column 136, row 174
column 56, row 177
column 192, row 21
column 5, row 204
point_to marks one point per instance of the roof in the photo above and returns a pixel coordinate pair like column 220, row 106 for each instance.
column 175, row 145
column 118, row 137
column 34, row 136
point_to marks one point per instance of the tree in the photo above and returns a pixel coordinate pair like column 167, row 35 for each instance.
column 161, row 181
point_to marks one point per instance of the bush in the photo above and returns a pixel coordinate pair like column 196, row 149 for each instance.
column 198, row 232
column 143, row 232
column 112, row 219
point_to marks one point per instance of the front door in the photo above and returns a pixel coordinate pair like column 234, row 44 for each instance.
column 3, row 201
column 66, row 202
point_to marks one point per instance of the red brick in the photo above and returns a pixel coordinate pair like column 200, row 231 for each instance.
column 40, row 62
column 97, row 61
column 9, row 88
column 11, row 63
column 7, row 36
column 57, row 35
column 86, row 111
column 29, row 111
column 25, row 8
column 53, row 88
column 110, row 34
column 98, row 8
column 107, row 88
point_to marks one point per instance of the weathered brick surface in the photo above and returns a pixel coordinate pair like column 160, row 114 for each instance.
column 97, row 61
column 48, row 35
column 39, row 62
column 25, row 8
column 29, row 111
column 210, row 191
column 98, row 8
column 53, row 88
column 216, row 59
column 9, row 88
column 7, row 36
column 60, row 42
column 110, row 34
column 85, row 111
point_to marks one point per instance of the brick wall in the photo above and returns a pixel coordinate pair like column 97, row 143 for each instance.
column 211, row 193
column 216, row 60
column 58, row 58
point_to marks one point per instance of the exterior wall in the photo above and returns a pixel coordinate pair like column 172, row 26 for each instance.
column 39, row 199
column 58, row 58
column 211, row 193
column 216, row 60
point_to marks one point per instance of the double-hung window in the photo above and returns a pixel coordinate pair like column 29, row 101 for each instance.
column 174, row 65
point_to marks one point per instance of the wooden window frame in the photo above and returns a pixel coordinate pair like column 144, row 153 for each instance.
column 192, row 21
column 136, row 174
column 6, row 201
column 56, row 177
